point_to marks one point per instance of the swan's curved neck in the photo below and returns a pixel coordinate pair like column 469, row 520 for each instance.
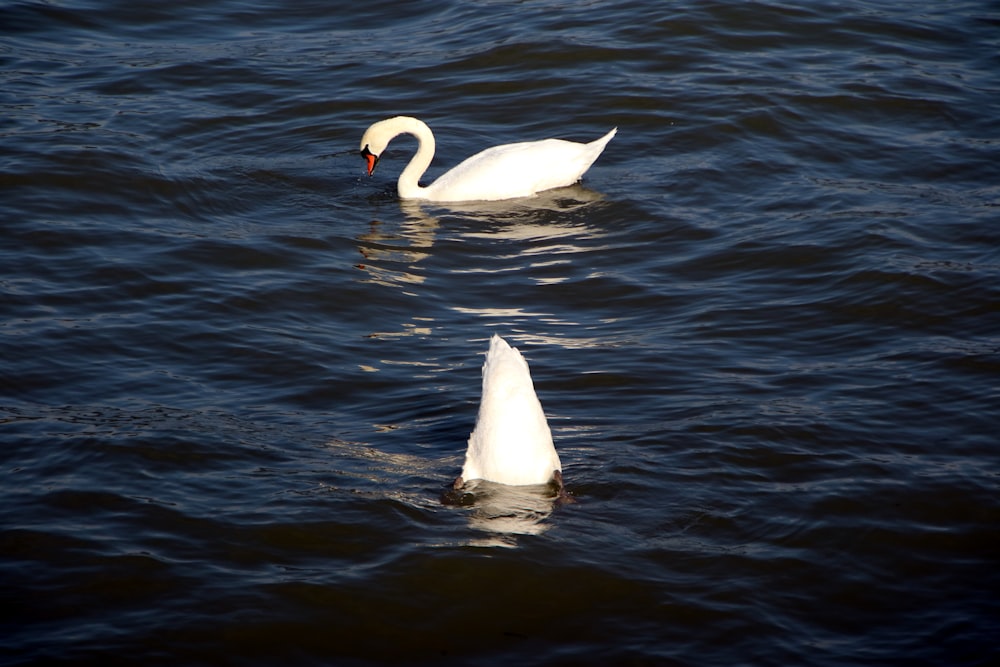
column 408, row 184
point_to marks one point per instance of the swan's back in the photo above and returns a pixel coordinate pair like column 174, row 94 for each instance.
column 512, row 443
column 518, row 170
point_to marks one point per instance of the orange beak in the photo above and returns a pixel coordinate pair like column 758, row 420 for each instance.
column 370, row 158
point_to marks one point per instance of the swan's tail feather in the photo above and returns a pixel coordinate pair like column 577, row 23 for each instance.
column 511, row 443
column 596, row 147
column 603, row 141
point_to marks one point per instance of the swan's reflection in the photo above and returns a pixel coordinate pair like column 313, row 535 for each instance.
column 543, row 215
column 557, row 199
column 381, row 248
column 507, row 510
column 393, row 253
column 498, row 512
column 412, row 241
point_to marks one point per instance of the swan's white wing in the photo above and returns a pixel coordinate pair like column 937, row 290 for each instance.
column 517, row 170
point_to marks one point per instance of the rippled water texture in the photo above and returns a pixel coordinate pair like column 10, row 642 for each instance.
column 237, row 376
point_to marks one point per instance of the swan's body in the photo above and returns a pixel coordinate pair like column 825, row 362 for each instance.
column 511, row 443
column 500, row 172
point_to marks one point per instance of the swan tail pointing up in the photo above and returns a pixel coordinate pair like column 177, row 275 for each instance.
column 511, row 443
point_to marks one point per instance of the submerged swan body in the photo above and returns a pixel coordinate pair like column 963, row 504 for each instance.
column 500, row 172
column 511, row 443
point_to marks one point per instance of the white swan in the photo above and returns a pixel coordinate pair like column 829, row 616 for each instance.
column 501, row 172
column 511, row 443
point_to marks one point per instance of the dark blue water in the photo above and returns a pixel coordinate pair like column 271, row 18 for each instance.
column 237, row 376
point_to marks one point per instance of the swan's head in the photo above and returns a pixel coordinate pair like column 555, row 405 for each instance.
column 374, row 141
column 378, row 136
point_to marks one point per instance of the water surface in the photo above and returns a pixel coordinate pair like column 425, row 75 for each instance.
column 237, row 376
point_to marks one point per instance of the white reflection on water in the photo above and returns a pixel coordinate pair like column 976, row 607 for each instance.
column 509, row 510
column 383, row 250
column 392, row 254
column 559, row 200
column 501, row 512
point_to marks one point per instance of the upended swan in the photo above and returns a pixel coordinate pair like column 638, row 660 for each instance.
column 500, row 172
column 511, row 443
